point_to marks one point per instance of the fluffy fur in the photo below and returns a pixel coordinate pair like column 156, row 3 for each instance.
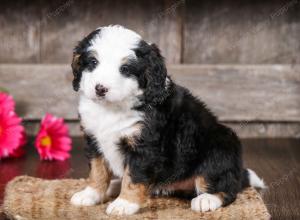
column 146, row 122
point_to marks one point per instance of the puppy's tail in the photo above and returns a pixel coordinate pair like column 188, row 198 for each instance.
column 250, row 178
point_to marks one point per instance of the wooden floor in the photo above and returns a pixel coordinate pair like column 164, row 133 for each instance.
column 276, row 160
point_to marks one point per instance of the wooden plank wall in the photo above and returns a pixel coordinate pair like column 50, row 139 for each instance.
column 255, row 100
column 40, row 32
column 235, row 93
column 244, row 32
column 241, row 57
column 189, row 31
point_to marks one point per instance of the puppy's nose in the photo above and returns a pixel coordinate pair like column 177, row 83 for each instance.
column 100, row 90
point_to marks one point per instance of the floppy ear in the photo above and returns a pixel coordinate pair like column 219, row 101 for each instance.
column 76, row 71
column 155, row 74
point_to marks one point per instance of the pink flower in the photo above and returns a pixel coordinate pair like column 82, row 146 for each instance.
column 7, row 101
column 53, row 141
column 12, row 133
column 19, row 152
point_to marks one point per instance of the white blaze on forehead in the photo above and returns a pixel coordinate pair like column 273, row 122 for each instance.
column 112, row 46
column 115, row 42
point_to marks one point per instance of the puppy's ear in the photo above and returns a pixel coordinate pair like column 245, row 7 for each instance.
column 155, row 74
column 76, row 70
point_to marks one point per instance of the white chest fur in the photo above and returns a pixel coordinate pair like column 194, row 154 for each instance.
column 108, row 123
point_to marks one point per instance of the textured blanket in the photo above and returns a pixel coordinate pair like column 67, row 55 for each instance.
column 34, row 198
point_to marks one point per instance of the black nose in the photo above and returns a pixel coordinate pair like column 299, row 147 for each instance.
column 101, row 90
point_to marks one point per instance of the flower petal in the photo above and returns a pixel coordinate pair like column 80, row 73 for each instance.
column 58, row 142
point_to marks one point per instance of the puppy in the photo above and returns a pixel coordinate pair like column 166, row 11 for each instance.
column 149, row 131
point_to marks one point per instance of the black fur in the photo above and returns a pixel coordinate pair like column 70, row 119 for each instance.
column 92, row 147
column 180, row 137
column 85, row 59
column 153, row 76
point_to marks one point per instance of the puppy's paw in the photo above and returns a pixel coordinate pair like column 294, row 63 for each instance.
column 86, row 197
column 206, row 202
column 122, row 207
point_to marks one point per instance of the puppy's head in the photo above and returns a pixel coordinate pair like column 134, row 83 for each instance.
column 114, row 64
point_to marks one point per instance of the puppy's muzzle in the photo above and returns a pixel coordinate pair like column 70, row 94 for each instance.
column 100, row 90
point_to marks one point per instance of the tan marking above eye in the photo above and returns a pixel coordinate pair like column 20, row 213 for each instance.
column 124, row 60
column 93, row 53
column 127, row 59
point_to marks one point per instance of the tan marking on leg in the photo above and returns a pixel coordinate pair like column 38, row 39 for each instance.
column 221, row 196
column 201, row 184
column 187, row 184
column 100, row 175
column 135, row 193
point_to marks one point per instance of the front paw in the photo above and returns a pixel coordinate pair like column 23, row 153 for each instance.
column 122, row 207
column 206, row 202
column 87, row 197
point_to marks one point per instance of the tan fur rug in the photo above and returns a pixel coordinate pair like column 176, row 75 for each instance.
column 33, row 198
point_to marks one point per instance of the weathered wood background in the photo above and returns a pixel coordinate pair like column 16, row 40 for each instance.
column 240, row 57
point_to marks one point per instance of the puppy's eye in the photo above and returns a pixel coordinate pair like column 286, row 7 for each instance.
column 94, row 61
column 124, row 69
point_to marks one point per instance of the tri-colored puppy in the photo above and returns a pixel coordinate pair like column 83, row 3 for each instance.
column 149, row 131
